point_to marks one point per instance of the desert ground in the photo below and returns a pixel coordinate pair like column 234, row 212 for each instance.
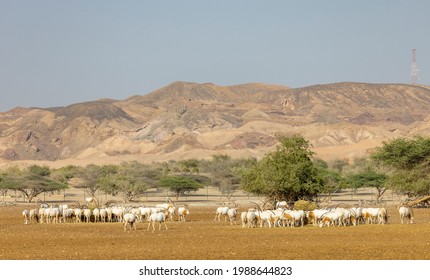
column 202, row 238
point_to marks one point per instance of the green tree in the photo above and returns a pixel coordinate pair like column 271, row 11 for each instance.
column 189, row 166
column 285, row 174
column 403, row 153
column 137, row 179
column 369, row 178
column 409, row 160
column 339, row 165
column 412, row 183
column 332, row 178
column 111, row 184
column 125, row 183
column 88, row 177
column 130, row 178
column 180, row 184
column 64, row 174
column 31, row 181
column 224, row 173
column 5, row 177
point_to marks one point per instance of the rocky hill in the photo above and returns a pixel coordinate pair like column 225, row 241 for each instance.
column 188, row 120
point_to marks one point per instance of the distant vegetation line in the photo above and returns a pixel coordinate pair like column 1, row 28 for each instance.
column 290, row 173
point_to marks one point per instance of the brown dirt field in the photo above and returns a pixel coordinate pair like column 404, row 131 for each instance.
column 200, row 238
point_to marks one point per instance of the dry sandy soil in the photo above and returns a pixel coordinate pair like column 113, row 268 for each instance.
column 202, row 238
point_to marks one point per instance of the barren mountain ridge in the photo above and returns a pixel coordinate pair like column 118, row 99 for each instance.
column 189, row 120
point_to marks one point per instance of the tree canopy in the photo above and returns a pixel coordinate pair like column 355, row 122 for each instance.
column 180, row 184
column 403, row 153
column 368, row 178
column 224, row 173
column 285, row 174
column 132, row 179
column 409, row 160
column 30, row 182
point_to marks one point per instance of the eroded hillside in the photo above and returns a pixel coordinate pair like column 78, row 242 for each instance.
column 189, row 120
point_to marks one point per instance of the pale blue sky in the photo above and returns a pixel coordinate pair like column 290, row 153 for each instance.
column 55, row 53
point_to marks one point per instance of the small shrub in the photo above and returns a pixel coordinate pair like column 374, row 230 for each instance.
column 304, row 205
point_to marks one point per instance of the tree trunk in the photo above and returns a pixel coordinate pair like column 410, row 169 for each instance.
column 381, row 192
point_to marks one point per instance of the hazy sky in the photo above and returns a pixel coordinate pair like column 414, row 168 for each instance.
column 55, row 53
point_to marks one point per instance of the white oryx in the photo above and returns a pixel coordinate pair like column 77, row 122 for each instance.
column 221, row 211
column 281, row 205
column 52, row 215
column 30, row 216
column 315, row 216
column 159, row 217
column 170, row 212
column 67, row 215
column 407, row 213
column 45, row 214
column 331, row 218
column 168, row 208
column 266, row 216
column 243, row 218
column 96, row 214
column 232, row 213
column 287, row 218
column 182, row 212
column 87, row 215
column 157, row 210
column 26, row 215
column 356, row 215
column 34, row 215
column 41, row 214
column 375, row 215
column 249, row 218
column 298, row 217
column 337, row 216
column 109, row 214
column 130, row 219
column 103, row 215
column 78, row 215
column 145, row 212
column 118, row 213
column 227, row 212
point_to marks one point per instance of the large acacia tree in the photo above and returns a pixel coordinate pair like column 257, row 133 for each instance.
column 409, row 160
column 132, row 179
column 88, row 177
column 368, row 177
column 180, row 184
column 223, row 172
column 288, row 173
column 31, row 181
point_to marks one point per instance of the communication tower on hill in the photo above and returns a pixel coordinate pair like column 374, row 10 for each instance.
column 414, row 68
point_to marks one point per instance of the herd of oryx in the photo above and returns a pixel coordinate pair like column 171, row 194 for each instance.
column 127, row 215
column 253, row 217
column 282, row 216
